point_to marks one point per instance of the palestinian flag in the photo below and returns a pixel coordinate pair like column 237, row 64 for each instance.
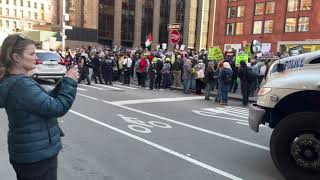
column 149, row 41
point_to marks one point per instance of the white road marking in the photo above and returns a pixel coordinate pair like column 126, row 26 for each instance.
column 130, row 85
column 81, row 89
column 192, row 127
column 110, row 87
column 140, row 101
column 208, row 114
column 88, row 96
column 246, row 124
column 223, row 111
column 237, row 107
column 127, row 87
column 236, row 111
column 162, row 148
column 93, row 87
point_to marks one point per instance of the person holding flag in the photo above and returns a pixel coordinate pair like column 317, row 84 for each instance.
column 148, row 41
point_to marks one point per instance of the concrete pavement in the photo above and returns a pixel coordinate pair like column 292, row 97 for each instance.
column 118, row 132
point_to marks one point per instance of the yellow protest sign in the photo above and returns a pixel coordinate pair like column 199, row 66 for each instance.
column 215, row 54
column 242, row 57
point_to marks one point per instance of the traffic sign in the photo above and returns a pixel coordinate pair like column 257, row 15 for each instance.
column 176, row 26
column 174, row 36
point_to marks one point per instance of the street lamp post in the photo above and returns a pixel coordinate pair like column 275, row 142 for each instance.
column 63, row 29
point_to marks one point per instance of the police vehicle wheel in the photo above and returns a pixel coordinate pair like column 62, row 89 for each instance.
column 295, row 146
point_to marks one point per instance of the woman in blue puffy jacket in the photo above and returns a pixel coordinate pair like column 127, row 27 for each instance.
column 34, row 134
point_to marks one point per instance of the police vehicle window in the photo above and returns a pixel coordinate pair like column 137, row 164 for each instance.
column 315, row 61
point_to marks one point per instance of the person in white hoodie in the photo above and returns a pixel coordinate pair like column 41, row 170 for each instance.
column 127, row 66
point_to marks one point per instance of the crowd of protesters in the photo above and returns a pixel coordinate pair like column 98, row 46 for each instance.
column 166, row 69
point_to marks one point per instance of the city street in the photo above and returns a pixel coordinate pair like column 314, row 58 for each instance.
column 131, row 133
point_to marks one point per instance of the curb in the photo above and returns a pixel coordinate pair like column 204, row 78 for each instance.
column 230, row 96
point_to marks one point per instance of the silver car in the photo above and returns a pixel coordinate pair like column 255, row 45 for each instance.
column 49, row 65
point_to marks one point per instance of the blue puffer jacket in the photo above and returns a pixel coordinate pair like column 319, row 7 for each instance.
column 34, row 133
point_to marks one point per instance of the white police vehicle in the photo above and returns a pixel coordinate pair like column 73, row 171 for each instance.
column 289, row 102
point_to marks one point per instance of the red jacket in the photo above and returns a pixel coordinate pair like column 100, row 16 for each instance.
column 143, row 65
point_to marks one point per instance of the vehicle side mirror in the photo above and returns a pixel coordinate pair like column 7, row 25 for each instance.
column 280, row 67
column 296, row 50
column 256, row 47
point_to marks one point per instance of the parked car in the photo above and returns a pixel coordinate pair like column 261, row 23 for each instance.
column 49, row 65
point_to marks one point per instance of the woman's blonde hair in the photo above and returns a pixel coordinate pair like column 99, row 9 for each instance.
column 14, row 43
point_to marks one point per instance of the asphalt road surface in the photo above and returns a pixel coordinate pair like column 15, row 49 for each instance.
column 131, row 133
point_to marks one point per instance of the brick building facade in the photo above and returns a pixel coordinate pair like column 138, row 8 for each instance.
column 276, row 23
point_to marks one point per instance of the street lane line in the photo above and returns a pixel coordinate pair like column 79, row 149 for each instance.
column 141, row 101
column 222, row 111
column 110, row 87
column 246, row 124
column 130, row 85
column 238, row 108
column 127, row 87
column 162, row 148
column 90, row 86
column 237, row 111
column 192, row 127
column 88, row 96
column 80, row 89
column 208, row 114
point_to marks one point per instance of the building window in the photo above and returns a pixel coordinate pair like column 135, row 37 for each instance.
column 270, row 7
column 240, row 11
column 0, row 23
column 15, row 2
column 257, row 27
column 21, row 2
column 35, row 5
column 21, row 13
column 15, row 13
column 7, row 12
column 305, row 5
column 232, row 11
column 232, row 0
column 42, row 6
column 290, row 25
column 303, row 25
column 293, row 5
column 29, row 14
column 268, row 26
column 259, row 10
column 35, row 15
column 29, row 4
column 0, row 11
column 239, row 28
column 7, row 24
column 230, row 29
column 29, row 25
column 7, row 1
column 42, row 16
column 14, row 24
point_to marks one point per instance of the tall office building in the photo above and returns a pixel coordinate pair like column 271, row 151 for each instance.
column 20, row 15
column 128, row 22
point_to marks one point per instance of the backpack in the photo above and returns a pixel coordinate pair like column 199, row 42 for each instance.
column 227, row 78
column 251, row 76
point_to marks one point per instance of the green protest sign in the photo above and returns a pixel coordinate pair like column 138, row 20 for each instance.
column 215, row 54
column 242, row 57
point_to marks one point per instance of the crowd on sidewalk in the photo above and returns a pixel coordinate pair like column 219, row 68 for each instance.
column 165, row 69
